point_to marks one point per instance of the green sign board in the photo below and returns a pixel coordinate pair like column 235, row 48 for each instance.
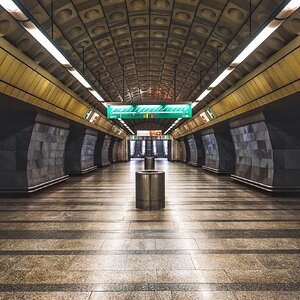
column 211, row 114
column 167, row 111
column 88, row 114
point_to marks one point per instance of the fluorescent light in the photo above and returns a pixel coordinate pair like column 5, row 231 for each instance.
column 222, row 76
column 46, row 43
column 203, row 95
column 79, row 77
column 258, row 40
column 289, row 9
column 13, row 9
column 96, row 94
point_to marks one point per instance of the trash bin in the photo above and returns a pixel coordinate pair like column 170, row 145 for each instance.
column 149, row 163
column 150, row 189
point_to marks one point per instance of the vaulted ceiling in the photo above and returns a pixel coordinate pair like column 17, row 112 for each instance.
column 143, row 51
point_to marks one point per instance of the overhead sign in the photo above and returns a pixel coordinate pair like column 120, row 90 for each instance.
column 94, row 118
column 88, row 114
column 204, row 117
column 210, row 113
column 167, row 111
column 149, row 133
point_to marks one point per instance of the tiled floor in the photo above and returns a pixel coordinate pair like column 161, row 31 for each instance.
column 84, row 239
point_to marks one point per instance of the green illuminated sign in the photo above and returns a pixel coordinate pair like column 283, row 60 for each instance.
column 211, row 114
column 167, row 111
column 88, row 114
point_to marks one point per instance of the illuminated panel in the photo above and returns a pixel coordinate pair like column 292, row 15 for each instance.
column 204, row 117
column 168, row 111
column 210, row 113
column 94, row 118
column 88, row 114
column 149, row 133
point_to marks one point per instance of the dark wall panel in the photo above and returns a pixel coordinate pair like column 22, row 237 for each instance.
column 105, row 151
column 31, row 150
column 196, row 149
column 254, row 153
column 80, row 149
column 46, row 153
column 111, row 149
column 14, row 143
column 115, row 151
column 183, row 149
column 219, row 150
column 98, row 149
column 211, row 151
column 88, row 150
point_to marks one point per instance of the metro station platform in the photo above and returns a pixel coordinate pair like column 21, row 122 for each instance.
column 84, row 239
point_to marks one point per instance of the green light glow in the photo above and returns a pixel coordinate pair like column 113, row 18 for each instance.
column 167, row 111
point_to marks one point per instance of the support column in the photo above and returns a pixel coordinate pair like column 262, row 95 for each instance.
column 196, row 149
column 79, row 158
column 219, row 150
column 267, row 147
column 111, row 149
column 31, row 151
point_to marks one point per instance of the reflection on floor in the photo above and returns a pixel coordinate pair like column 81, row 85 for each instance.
column 84, row 239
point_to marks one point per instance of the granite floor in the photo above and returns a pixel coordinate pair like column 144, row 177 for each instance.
column 84, row 239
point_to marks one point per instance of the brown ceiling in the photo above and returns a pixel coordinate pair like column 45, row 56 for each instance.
column 135, row 47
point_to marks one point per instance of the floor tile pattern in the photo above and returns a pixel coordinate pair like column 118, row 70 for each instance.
column 84, row 240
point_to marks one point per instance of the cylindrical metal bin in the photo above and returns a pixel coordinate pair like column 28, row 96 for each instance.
column 149, row 163
column 150, row 189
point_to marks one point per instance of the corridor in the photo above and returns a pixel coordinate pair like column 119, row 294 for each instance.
column 84, row 239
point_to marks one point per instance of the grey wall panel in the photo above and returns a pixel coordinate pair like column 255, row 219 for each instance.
column 98, row 149
column 105, row 151
column 80, row 148
column 46, row 153
column 219, row 150
column 211, row 151
column 285, row 139
column 226, row 149
column 14, row 143
column 187, row 149
column 196, row 150
column 88, row 149
column 183, row 151
column 254, row 153
column 73, row 150
column 31, row 151
column 115, row 151
column 111, row 149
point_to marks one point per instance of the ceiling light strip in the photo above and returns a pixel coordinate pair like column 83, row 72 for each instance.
column 272, row 25
column 124, row 124
column 16, row 12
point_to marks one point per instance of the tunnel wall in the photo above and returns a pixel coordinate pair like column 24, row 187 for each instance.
column 123, row 151
column 267, row 148
column 105, row 151
column 196, row 150
column 183, row 156
column 254, row 155
column 98, row 149
column 115, row 151
column 80, row 147
column 45, row 161
column 31, row 151
column 111, row 150
column 219, row 150
column 174, row 150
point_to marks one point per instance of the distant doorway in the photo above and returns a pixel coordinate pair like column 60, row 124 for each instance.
column 157, row 148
